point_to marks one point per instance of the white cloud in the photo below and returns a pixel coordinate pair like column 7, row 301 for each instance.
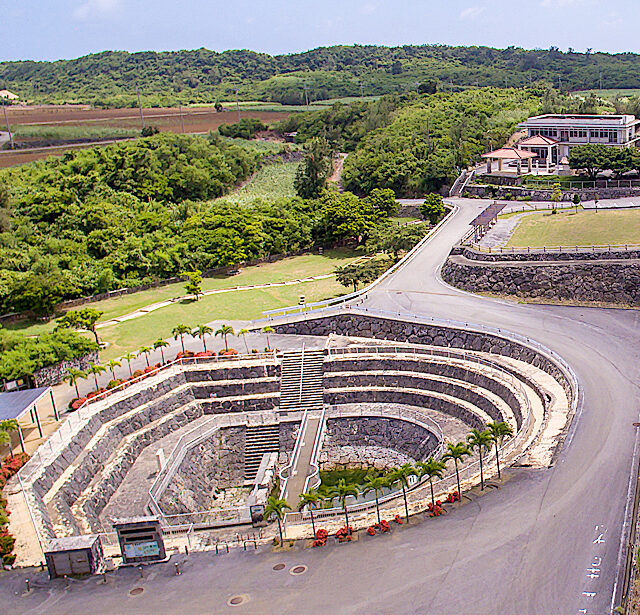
column 471, row 12
column 558, row 3
column 90, row 9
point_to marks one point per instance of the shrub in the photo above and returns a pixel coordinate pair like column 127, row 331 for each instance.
column 112, row 384
column 138, row 373
column 371, row 531
column 77, row 403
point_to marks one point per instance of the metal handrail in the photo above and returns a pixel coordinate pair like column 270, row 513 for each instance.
column 627, row 247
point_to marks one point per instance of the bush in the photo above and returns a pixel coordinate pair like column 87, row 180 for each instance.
column 138, row 373
column 112, row 384
column 77, row 403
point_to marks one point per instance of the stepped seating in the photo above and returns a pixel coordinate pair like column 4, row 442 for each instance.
column 259, row 440
column 301, row 381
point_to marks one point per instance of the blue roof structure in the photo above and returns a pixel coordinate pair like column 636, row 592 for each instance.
column 16, row 403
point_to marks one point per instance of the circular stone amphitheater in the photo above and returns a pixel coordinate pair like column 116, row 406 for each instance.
column 200, row 444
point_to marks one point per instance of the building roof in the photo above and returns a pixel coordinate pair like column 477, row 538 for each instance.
column 538, row 141
column 8, row 94
column 576, row 119
column 509, row 153
column 17, row 403
column 488, row 214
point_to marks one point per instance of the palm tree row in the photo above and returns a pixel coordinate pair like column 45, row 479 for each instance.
column 178, row 332
column 6, row 427
column 482, row 441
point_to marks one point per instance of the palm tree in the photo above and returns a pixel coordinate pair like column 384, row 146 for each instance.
column 266, row 330
column 498, row 431
column 200, row 331
column 401, row 475
column 6, row 427
column 112, row 366
column 179, row 331
column 73, row 375
column 145, row 350
column 5, row 440
column 342, row 490
column 244, row 332
column 223, row 331
column 310, row 499
column 482, row 441
column 457, row 452
column 276, row 507
column 432, row 468
column 128, row 357
column 375, row 484
column 95, row 370
column 160, row 343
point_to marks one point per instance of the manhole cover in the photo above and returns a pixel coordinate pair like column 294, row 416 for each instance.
column 278, row 566
column 136, row 591
column 237, row 600
column 298, row 570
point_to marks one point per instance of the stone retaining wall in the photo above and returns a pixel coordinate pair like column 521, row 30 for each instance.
column 586, row 194
column 537, row 254
column 606, row 281
column 55, row 374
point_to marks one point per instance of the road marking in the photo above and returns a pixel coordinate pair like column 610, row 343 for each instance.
column 589, row 594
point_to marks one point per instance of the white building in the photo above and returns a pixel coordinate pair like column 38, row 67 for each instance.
column 551, row 137
column 8, row 95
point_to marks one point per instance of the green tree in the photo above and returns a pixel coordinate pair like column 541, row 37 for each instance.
column 498, row 431
column 5, row 440
column 310, row 499
column 194, row 283
column 376, row 484
column 456, row 452
column 556, row 195
column 128, row 358
column 244, row 332
column 145, row 350
column 592, row 158
column 383, row 201
column 396, row 239
column 314, row 170
column 480, row 440
column 432, row 468
column 39, row 292
column 341, row 491
column 84, row 319
column 401, row 475
column 73, row 375
column 6, row 427
column 276, row 507
column 266, row 330
column 161, row 344
column 202, row 331
column 433, row 208
column 179, row 331
column 95, row 370
column 112, row 364
column 223, row 331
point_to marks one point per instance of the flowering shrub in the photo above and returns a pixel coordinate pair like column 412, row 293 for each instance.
column 76, row 403
column 398, row 520
column 371, row 531
column 454, row 496
column 113, row 384
column 231, row 352
column 137, row 373
column 384, row 526
column 319, row 543
column 322, row 534
column 7, row 469
column 344, row 533
column 435, row 511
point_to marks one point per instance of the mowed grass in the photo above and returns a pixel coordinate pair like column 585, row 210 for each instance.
column 586, row 228
column 232, row 306
column 273, row 181
column 246, row 304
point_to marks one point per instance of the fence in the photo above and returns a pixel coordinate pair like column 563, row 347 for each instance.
column 551, row 249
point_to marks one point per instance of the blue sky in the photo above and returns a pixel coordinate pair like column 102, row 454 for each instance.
column 53, row 29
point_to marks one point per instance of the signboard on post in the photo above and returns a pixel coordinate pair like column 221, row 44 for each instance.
column 140, row 540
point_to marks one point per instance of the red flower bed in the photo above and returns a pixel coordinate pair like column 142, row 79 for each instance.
column 322, row 534
column 344, row 533
column 319, row 543
column 231, row 352
column 398, row 520
column 371, row 531
column 384, row 526
column 7, row 469
column 454, row 496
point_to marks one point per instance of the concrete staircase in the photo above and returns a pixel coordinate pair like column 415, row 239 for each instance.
column 260, row 439
column 301, row 386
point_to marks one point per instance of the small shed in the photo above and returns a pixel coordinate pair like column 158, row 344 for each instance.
column 74, row 555
column 16, row 404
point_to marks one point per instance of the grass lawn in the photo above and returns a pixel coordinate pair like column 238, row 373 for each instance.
column 241, row 305
column 586, row 228
column 252, row 305
column 271, row 182
column 398, row 220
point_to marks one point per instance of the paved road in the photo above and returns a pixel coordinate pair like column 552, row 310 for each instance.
column 546, row 543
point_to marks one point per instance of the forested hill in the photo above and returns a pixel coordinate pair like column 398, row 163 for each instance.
column 110, row 78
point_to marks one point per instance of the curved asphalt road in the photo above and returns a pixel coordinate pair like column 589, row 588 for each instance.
column 547, row 542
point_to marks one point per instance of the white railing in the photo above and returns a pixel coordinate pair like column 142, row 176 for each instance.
column 551, row 249
column 313, row 478
column 287, row 472
column 343, row 299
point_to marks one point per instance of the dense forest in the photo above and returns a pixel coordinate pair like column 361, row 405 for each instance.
column 110, row 78
column 106, row 218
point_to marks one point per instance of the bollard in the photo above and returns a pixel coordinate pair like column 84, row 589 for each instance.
column 140, row 571
column 177, row 569
column 186, row 550
column 26, row 582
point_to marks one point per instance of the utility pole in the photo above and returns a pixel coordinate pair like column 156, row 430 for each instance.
column 306, row 94
column 600, row 79
column 140, row 106
column 361, row 90
column 6, row 120
column 181, row 118
column 237, row 105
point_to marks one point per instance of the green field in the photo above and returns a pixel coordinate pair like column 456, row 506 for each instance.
column 273, row 181
column 240, row 305
column 72, row 133
column 610, row 94
column 586, row 228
